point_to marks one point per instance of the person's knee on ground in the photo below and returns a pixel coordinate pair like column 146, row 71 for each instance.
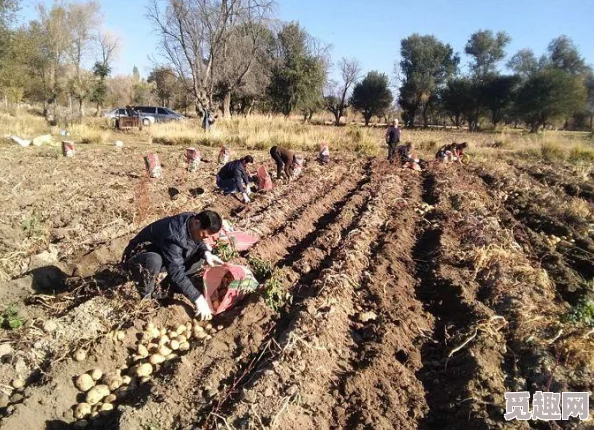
column 145, row 268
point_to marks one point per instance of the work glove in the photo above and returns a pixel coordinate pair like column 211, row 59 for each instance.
column 248, row 190
column 246, row 198
column 203, row 309
column 212, row 260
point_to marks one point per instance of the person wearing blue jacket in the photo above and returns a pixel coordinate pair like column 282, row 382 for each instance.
column 233, row 177
column 176, row 245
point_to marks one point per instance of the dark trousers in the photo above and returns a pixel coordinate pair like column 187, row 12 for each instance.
column 228, row 186
column 391, row 152
column 146, row 266
column 279, row 162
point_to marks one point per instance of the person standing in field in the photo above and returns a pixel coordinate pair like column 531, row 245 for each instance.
column 233, row 178
column 174, row 245
column 285, row 161
column 392, row 139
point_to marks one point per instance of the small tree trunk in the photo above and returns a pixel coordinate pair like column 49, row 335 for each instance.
column 425, row 116
column 227, row 105
column 367, row 119
column 337, row 115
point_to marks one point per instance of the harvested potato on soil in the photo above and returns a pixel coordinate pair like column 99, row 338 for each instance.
column 142, row 351
column 97, row 393
column 17, row 383
column 80, row 355
column 164, row 350
column 84, row 382
column 82, row 410
column 185, row 346
column 174, row 345
column 96, row 374
column 156, row 359
column 113, row 380
column 144, row 370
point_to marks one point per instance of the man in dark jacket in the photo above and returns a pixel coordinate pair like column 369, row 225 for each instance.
column 284, row 159
column 392, row 139
column 174, row 244
column 233, row 177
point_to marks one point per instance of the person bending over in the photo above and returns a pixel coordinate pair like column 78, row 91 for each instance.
column 234, row 178
column 174, row 245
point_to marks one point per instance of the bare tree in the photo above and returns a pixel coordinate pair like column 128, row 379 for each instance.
column 109, row 45
column 83, row 20
column 242, row 48
column 338, row 93
column 51, row 40
column 197, row 36
column 107, row 48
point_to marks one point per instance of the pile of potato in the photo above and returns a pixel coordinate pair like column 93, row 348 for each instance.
column 553, row 240
column 155, row 347
column 424, row 209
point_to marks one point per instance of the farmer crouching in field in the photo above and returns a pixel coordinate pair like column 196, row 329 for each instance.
column 175, row 245
column 392, row 139
column 285, row 161
column 233, row 177
column 404, row 153
column 452, row 152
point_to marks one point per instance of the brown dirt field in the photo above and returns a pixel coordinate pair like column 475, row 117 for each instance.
column 417, row 299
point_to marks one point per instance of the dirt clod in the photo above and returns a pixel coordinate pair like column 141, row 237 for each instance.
column 49, row 326
column 368, row 316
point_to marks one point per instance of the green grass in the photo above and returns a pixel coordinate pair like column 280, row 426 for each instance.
column 10, row 318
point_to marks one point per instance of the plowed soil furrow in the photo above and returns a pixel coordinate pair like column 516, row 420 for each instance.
column 569, row 264
column 446, row 380
column 100, row 263
column 386, row 352
column 306, row 285
column 288, row 382
column 297, row 196
column 217, row 367
column 296, row 233
column 515, row 287
column 305, row 203
column 550, row 176
column 289, row 194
